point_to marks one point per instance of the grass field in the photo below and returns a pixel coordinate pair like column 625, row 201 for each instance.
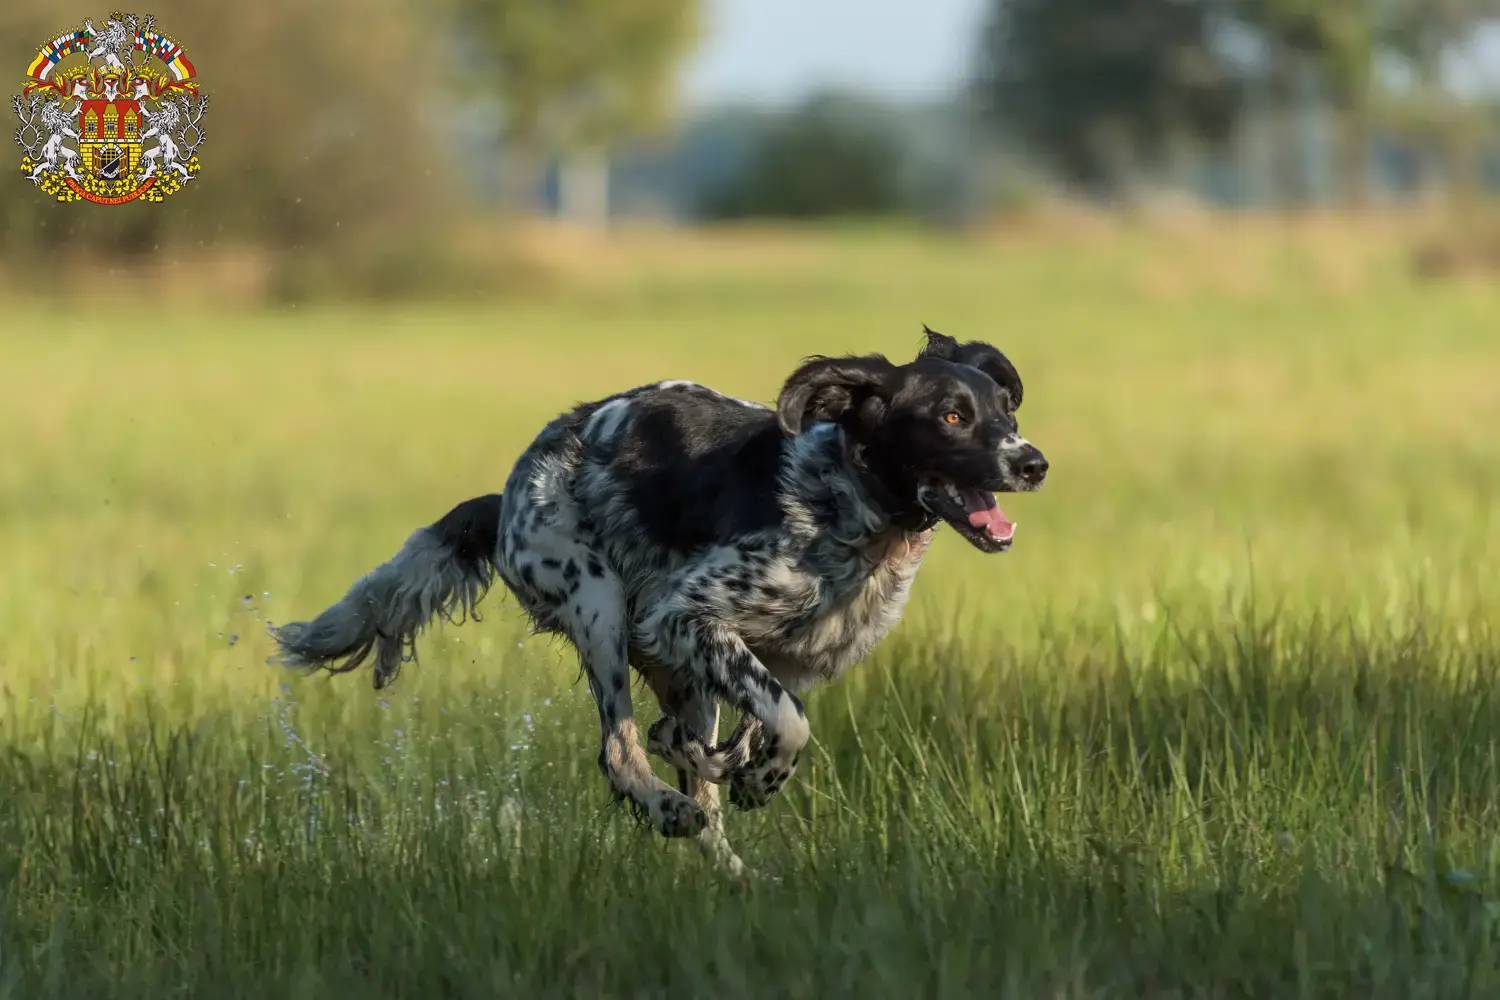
column 1220, row 725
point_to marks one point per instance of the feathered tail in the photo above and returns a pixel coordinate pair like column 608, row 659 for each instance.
column 443, row 569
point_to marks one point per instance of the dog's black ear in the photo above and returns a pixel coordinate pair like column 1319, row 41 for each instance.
column 988, row 359
column 939, row 345
column 976, row 354
column 831, row 389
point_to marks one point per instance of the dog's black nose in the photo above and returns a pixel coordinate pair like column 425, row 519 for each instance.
column 1033, row 466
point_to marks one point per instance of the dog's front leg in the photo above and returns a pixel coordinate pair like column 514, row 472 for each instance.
column 763, row 752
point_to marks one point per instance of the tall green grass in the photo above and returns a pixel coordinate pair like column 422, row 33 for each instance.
column 1220, row 725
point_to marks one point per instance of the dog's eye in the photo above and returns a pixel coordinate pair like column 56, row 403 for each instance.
column 952, row 418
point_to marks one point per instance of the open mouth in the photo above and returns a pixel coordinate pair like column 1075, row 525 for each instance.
column 973, row 513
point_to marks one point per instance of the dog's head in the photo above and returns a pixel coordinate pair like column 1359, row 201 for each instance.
column 933, row 438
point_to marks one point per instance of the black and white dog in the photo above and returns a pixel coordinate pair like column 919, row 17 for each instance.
column 727, row 551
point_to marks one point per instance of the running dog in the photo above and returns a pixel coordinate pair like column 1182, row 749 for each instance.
column 730, row 552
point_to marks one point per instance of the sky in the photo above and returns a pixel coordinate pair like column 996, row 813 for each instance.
column 776, row 51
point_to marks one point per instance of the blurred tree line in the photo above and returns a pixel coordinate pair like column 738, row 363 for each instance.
column 330, row 131
column 1104, row 91
column 840, row 154
column 1251, row 102
column 338, row 134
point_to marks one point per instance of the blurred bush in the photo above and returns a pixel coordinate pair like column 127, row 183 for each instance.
column 841, row 155
column 812, row 163
column 322, row 162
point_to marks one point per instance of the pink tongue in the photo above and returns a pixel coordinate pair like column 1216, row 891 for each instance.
column 985, row 513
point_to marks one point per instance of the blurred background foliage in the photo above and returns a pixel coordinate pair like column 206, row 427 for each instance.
column 319, row 149
column 392, row 147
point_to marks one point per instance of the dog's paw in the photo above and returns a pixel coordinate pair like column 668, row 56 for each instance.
column 661, row 735
column 670, row 739
column 763, row 775
column 753, row 787
column 678, row 816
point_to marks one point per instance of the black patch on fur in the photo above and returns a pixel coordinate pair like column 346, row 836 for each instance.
column 699, row 469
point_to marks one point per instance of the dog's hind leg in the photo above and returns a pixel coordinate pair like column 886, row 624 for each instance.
column 548, row 561
column 694, row 720
column 577, row 595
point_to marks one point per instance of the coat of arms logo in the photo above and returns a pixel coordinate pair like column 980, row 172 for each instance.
column 124, row 123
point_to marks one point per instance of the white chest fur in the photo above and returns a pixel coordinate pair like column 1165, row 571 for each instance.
column 849, row 619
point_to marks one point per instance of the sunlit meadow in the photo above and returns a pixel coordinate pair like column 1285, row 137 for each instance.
column 1221, row 724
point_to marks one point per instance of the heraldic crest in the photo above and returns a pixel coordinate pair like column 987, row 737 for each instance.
column 123, row 123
